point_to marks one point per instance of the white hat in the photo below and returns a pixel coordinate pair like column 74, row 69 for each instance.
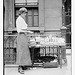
column 22, row 9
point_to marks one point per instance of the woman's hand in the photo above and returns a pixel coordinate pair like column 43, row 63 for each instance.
column 30, row 31
column 27, row 31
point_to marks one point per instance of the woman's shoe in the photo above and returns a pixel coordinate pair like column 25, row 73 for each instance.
column 25, row 68
column 20, row 70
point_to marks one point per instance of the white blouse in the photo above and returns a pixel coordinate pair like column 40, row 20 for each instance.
column 20, row 24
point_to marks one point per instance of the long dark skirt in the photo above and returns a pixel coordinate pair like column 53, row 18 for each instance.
column 23, row 54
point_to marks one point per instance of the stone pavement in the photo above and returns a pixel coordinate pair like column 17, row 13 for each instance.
column 66, row 69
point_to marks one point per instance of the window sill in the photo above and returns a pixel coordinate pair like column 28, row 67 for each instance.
column 33, row 28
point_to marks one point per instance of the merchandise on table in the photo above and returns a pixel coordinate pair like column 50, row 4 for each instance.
column 50, row 40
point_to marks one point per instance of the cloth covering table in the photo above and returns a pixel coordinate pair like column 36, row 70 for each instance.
column 59, row 52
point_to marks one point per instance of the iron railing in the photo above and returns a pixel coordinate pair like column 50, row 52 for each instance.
column 10, row 44
column 10, row 49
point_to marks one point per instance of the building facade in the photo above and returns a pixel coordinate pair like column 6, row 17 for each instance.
column 44, row 17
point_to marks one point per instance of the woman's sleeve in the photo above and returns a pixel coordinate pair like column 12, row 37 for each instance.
column 21, row 24
column 18, row 25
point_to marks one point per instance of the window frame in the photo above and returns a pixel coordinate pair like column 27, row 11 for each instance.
column 32, row 10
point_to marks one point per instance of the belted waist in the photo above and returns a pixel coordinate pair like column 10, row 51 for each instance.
column 21, row 33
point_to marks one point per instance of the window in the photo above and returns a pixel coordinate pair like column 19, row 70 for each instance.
column 26, row 2
column 32, row 2
column 32, row 17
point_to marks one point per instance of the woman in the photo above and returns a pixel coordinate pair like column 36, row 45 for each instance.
column 23, row 54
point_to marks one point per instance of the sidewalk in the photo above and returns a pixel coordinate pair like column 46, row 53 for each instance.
column 66, row 69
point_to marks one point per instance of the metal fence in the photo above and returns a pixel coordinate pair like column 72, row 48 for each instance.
column 10, row 49
column 10, row 43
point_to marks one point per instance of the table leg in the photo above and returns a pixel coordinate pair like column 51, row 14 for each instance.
column 60, row 57
column 58, row 54
column 32, row 56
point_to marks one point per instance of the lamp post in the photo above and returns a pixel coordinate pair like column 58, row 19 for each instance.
column 63, row 32
column 63, row 27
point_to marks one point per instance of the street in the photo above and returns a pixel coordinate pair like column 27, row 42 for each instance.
column 66, row 69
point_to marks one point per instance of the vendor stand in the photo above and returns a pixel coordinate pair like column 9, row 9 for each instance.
column 52, row 44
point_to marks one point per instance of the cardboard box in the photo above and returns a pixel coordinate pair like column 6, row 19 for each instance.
column 50, row 65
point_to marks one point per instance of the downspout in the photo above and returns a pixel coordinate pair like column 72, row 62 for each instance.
column 44, row 14
column 63, row 13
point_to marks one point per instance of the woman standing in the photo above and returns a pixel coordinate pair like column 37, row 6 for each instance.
column 23, row 54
